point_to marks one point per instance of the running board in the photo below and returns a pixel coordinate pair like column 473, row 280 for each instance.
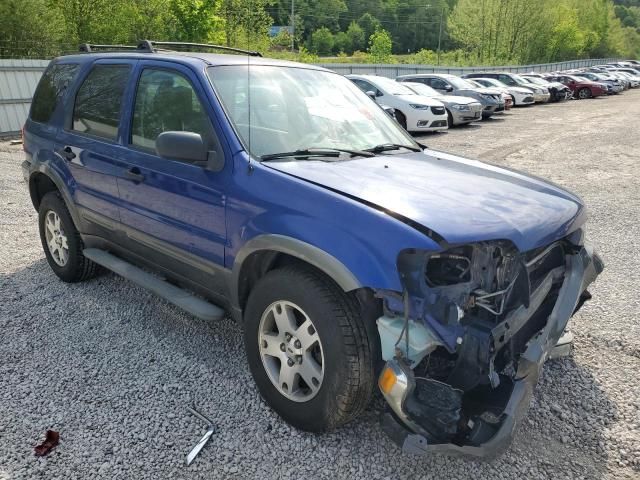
column 179, row 297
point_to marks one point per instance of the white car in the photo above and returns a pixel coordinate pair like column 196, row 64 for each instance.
column 634, row 81
column 414, row 112
column 520, row 95
column 460, row 110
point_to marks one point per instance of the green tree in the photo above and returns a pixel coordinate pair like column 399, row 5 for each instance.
column 322, row 41
column 341, row 43
column 356, row 37
column 369, row 24
column 380, row 46
column 30, row 28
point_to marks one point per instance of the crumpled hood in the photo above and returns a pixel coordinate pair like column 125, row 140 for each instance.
column 461, row 200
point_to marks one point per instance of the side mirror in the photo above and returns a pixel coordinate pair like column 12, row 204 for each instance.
column 371, row 94
column 448, row 88
column 188, row 147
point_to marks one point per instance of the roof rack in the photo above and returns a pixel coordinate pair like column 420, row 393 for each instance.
column 149, row 45
column 92, row 47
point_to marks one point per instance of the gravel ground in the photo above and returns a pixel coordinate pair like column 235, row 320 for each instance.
column 112, row 368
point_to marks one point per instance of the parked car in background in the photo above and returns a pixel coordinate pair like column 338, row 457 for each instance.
column 506, row 98
column 520, row 96
column 613, row 84
column 460, row 110
column 540, row 94
column 558, row 91
column 634, row 80
column 446, row 84
column 581, row 87
column 414, row 112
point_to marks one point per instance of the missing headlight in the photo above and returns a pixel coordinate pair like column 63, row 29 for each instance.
column 449, row 268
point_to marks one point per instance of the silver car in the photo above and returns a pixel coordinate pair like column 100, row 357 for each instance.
column 460, row 110
column 446, row 84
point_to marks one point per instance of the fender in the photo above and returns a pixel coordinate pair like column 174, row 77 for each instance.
column 296, row 248
column 45, row 169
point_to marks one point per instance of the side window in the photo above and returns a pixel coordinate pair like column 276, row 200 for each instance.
column 438, row 84
column 50, row 90
column 166, row 101
column 99, row 101
column 364, row 86
column 506, row 79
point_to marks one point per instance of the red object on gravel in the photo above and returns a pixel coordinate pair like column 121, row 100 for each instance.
column 51, row 440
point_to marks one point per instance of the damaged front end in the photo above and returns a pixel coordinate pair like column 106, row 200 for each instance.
column 466, row 340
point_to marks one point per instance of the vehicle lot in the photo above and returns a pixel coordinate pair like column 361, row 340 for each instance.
column 112, row 368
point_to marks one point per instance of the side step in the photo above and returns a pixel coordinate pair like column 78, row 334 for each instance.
column 179, row 297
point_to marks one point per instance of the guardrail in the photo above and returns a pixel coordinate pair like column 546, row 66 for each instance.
column 393, row 71
column 18, row 80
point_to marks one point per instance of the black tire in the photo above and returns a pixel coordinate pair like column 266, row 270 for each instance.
column 348, row 358
column 513, row 99
column 402, row 120
column 77, row 268
column 449, row 119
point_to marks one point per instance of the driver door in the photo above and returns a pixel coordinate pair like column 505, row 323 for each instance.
column 172, row 211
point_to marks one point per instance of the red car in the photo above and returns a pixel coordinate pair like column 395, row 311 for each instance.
column 581, row 88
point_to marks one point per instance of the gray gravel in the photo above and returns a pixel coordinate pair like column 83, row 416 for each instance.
column 111, row 367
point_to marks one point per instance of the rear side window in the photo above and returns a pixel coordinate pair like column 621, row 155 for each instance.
column 50, row 91
column 99, row 101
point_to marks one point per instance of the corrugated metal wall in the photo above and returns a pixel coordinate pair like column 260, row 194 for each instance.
column 18, row 80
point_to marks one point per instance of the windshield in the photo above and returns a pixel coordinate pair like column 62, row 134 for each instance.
column 518, row 78
column 391, row 86
column 460, row 83
column 422, row 89
column 283, row 109
column 537, row 80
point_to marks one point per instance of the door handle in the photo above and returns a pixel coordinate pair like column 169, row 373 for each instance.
column 67, row 153
column 134, row 174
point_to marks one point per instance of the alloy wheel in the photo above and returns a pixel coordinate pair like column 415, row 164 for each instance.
column 56, row 238
column 291, row 351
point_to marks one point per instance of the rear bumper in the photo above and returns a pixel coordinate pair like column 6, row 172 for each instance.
column 582, row 269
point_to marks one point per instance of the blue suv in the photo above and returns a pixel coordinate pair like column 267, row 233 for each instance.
column 280, row 194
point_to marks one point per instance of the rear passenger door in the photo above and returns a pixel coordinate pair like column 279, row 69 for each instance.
column 172, row 210
column 89, row 141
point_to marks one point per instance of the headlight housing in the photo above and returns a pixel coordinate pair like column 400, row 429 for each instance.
column 418, row 106
column 461, row 108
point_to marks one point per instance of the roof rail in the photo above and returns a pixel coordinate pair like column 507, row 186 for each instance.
column 91, row 47
column 149, row 45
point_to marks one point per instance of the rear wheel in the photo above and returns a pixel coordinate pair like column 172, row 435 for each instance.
column 584, row 93
column 61, row 241
column 308, row 349
column 449, row 119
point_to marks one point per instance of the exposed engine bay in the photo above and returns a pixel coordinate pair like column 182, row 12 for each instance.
column 458, row 333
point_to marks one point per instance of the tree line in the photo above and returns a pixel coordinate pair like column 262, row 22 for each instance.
column 467, row 31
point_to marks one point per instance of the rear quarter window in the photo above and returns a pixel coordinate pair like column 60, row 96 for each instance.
column 50, row 90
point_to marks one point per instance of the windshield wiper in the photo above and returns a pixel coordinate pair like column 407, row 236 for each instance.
column 317, row 152
column 387, row 147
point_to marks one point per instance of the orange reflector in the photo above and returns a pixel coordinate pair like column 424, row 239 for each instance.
column 387, row 380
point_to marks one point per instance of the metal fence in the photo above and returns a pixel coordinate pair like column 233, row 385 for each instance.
column 18, row 80
column 393, row 71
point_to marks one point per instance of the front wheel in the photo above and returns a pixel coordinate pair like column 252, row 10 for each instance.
column 308, row 349
column 402, row 120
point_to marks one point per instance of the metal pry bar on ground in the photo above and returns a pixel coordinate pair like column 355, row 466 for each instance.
column 203, row 441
